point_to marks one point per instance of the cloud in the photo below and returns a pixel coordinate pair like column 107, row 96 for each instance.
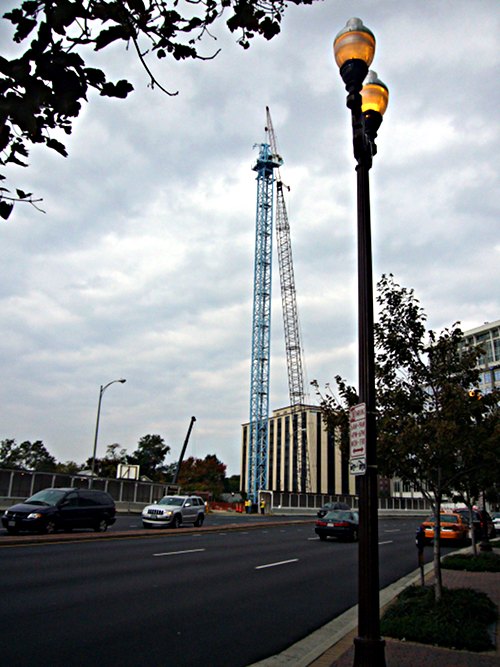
column 142, row 266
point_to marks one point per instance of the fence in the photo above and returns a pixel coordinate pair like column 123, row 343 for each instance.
column 16, row 484
column 22, row 484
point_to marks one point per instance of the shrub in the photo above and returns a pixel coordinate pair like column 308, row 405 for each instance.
column 459, row 620
column 486, row 561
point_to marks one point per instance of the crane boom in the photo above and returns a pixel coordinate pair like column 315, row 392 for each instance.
column 293, row 346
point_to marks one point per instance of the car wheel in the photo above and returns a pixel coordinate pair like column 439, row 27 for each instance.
column 101, row 526
column 176, row 521
column 322, row 537
column 199, row 520
column 145, row 525
column 12, row 531
column 50, row 527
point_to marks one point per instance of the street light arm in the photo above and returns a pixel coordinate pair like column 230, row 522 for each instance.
column 102, row 389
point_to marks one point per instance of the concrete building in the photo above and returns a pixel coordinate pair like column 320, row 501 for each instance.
column 322, row 468
column 488, row 337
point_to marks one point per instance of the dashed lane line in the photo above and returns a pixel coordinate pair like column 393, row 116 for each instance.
column 281, row 562
column 177, row 553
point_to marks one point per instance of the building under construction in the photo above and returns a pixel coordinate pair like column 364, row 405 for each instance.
column 294, row 432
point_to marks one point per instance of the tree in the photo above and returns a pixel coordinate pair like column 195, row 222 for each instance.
column 26, row 456
column 426, row 425
column 232, row 484
column 432, row 433
column 9, row 454
column 108, row 465
column 69, row 467
column 42, row 89
column 206, row 474
column 150, row 455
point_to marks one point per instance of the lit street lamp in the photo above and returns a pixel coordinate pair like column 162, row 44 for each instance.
column 101, row 392
column 354, row 48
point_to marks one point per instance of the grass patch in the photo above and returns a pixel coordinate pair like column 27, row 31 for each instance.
column 459, row 620
column 485, row 561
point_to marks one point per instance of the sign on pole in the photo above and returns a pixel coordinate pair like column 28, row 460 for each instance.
column 357, row 439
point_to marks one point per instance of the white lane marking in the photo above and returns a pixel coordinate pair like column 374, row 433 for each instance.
column 176, row 553
column 281, row 562
column 394, row 530
column 313, row 539
column 387, row 542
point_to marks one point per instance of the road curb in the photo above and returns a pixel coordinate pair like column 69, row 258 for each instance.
column 57, row 538
column 304, row 652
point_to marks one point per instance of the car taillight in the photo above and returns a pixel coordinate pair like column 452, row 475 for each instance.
column 341, row 524
column 321, row 523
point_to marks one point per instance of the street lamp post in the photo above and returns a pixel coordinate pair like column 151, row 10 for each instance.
column 101, row 392
column 354, row 48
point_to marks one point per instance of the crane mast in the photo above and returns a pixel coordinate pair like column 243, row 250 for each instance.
column 293, row 346
column 266, row 163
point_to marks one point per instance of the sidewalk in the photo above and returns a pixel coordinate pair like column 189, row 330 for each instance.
column 409, row 654
column 332, row 645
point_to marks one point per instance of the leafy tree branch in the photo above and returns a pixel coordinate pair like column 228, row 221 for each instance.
column 43, row 88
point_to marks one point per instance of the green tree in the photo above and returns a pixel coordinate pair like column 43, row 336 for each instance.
column 108, row 465
column 425, row 415
column 9, row 454
column 206, row 474
column 26, row 456
column 232, row 484
column 150, row 456
column 431, row 433
column 42, row 89
column 69, row 467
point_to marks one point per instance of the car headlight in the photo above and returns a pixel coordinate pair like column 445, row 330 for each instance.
column 168, row 512
column 35, row 515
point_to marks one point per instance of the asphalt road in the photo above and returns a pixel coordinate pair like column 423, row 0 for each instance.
column 217, row 599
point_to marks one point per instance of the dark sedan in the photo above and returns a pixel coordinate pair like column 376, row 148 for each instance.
column 342, row 524
column 334, row 505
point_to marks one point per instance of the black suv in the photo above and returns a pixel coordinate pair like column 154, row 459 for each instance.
column 53, row 509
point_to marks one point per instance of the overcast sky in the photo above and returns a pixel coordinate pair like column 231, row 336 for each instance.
column 142, row 266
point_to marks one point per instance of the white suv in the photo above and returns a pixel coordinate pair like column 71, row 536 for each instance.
column 172, row 511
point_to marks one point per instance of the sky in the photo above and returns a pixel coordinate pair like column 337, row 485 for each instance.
column 141, row 266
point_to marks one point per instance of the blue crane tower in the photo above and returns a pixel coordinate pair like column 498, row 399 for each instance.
column 266, row 163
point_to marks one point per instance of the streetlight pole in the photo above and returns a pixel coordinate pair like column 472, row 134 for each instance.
column 101, row 392
column 354, row 48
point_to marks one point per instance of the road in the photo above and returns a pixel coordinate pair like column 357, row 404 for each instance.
column 218, row 599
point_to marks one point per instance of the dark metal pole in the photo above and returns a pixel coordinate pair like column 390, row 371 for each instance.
column 91, row 481
column 101, row 392
column 176, row 476
column 369, row 648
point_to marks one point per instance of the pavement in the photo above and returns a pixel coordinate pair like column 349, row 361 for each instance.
column 332, row 645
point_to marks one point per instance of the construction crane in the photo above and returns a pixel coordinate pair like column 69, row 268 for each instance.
column 268, row 162
column 293, row 345
column 261, row 323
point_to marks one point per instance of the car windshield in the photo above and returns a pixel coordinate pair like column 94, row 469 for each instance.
column 339, row 515
column 46, row 497
column 170, row 500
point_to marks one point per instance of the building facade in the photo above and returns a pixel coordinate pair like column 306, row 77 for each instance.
column 302, row 456
column 488, row 337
